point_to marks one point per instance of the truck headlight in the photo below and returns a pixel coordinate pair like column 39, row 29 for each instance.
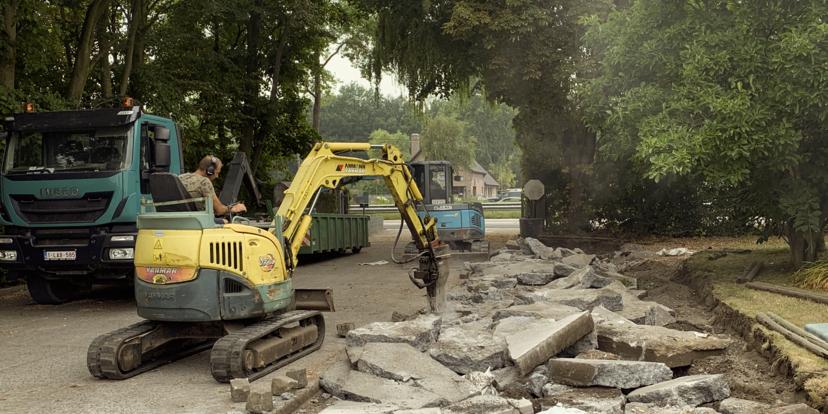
column 119, row 254
column 8, row 255
column 120, row 238
column 5, row 240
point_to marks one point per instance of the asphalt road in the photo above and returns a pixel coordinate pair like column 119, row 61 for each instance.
column 43, row 348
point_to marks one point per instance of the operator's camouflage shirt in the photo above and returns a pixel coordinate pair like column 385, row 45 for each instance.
column 198, row 186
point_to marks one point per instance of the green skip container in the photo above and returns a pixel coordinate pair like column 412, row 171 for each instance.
column 336, row 233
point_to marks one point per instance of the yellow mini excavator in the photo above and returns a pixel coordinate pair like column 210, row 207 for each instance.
column 202, row 285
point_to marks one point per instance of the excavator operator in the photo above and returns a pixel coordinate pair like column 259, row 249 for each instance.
column 200, row 184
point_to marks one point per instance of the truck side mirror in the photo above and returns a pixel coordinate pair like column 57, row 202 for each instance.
column 162, row 133
column 162, row 156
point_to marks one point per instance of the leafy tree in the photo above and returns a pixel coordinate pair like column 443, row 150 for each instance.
column 730, row 92
column 444, row 138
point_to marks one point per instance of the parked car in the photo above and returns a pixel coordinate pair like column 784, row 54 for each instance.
column 509, row 200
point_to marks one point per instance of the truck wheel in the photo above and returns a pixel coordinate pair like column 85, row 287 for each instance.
column 49, row 292
column 356, row 249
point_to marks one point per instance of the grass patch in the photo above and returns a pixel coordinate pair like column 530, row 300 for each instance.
column 778, row 271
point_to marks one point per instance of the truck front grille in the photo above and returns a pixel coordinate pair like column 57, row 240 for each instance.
column 80, row 210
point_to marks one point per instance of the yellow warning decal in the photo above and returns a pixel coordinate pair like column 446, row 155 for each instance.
column 157, row 245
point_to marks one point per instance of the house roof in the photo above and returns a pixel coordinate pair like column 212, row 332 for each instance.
column 489, row 180
column 476, row 167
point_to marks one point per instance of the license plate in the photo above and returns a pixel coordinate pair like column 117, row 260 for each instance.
column 72, row 255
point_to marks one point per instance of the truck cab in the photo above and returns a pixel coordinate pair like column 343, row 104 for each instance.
column 72, row 182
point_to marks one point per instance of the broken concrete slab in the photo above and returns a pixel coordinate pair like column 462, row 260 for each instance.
column 488, row 404
column 604, row 373
column 512, row 245
column 523, row 405
column 471, row 294
column 596, row 354
column 691, row 390
column 627, row 281
column 479, row 267
column 259, row 402
column 509, row 378
column 239, row 390
column 564, row 270
column 536, row 279
column 562, row 410
column 641, row 294
column 402, row 362
column 584, row 278
column 516, row 324
column 539, row 249
column 362, row 387
column 503, row 257
column 641, row 312
column 420, row 411
column 419, row 333
column 350, row 407
column 633, row 342
column 552, row 388
column 740, row 406
column 583, row 299
column 523, row 247
column 639, row 408
column 495, row 281
column 546, row 310
column 464, row 351
column 529, row 349
column 335, row 376
column 578, row 259
column 591, row 400
column 790, row 409
column 564, row 252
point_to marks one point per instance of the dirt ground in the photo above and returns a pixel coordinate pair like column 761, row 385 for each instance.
column 748, row 374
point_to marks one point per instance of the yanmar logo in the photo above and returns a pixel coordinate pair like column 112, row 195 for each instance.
column 351, row 168
column 160, row 296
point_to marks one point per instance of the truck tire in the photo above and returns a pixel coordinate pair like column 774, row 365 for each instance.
column 356, row 249
column 49, row 292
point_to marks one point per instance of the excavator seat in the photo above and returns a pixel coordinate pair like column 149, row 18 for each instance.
column 167, row 187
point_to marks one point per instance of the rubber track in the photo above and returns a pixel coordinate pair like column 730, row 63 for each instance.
column 227, row 357
column 102, row 356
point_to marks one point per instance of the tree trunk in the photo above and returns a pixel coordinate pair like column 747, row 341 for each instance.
column 80, row 71
column 136, row 21
column 9, row 47
column 254, row 26
column 317, row 97
column 804, row 246
column 106, row 70
column 578, row 146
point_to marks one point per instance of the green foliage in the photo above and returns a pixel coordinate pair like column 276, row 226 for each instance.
column 355, row 112
column 729, row 92
column 445, row 139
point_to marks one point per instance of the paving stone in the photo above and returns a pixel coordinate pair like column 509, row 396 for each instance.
column 590, row 400
column 633, row 342
column 402, row 362
column 259, row 402
column 740, row 406
column 282, row 384
column 419, row 333
column 239, row 390
column 300, row 375
column 342, row 329
column 791, row 409
column 529, row 349
column 546, row 310
column 350, row 407
column 614, row 374
column 583, row 299
column 463, row 350
column 691, row 390
column 488, row 404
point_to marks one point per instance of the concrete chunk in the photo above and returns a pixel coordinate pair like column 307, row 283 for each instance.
column 641, row 312
column 538, row 249
column 578, row 259
column 536, row 279
column 342, row 329
column 740, row 406
column 583, row 278
column 350, row 407
column 282, row 384
column 465, row 351
column 419, row 333
column 615, row 374
column 585, row 299
column 362, row 387
column 564, row 270
column 588, row 343
column 401, row 362
column 335, row 376
column 590, row 400
column 639, row 408
column 300, row 375
column 488, row 404
column 691, row 390
column 546, row 310
column 239, row 390
column 259, row 402
column 791, row 409
column 529, row 349
column 523, row 405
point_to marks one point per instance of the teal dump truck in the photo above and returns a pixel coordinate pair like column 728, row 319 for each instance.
column 72, row 182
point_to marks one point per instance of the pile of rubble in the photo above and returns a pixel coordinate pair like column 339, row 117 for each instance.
column 534, row 330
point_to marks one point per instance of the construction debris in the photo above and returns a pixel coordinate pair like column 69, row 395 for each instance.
column 563, row 328
column 259, row 402
column 239, row 390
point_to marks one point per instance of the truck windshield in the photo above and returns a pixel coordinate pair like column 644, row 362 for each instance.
column 35, row 152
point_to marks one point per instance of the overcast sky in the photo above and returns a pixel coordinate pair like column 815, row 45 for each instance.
column 345, row 73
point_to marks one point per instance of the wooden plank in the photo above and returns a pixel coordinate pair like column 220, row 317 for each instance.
column 772, row 325
column 788, row 291
column 797, row 330
column 750, row 272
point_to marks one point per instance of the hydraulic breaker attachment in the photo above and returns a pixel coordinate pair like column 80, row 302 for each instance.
column 434, row 273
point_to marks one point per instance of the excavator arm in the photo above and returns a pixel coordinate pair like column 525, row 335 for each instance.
column 324, row 167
